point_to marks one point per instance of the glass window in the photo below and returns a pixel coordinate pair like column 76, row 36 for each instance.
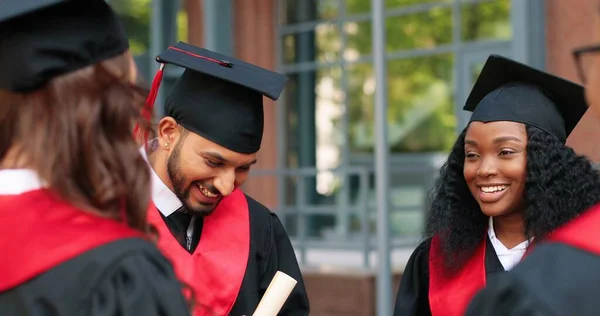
column 426, row 29
column 358, row 35
column 326, row 49
column 301, row 11
column 489, row 20
column 357, row 6
column 420, row 108
column 135, row 15
column 321, row 44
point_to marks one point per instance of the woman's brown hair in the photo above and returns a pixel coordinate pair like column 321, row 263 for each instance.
column 76, row 132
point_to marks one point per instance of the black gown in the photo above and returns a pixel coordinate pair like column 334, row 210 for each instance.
column 270, row 251
column 126, row 277
column 554, row 280
column 413, row 293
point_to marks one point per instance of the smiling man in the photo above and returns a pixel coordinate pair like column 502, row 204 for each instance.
column 223, row 243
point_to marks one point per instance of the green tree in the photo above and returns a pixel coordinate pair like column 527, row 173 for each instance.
column 135, row 15
column 420, row 90
column 136, row 18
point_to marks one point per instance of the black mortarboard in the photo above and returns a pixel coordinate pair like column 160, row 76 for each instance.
column 507, row 90
column 42, row 39
column 219, row 97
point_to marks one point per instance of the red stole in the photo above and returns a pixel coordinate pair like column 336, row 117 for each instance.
column 40, row 231
column 217, row 267
column 582, row 232
column 450, row 295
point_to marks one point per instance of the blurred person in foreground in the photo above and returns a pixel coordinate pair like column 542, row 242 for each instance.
column 560, row 276
column 223, row 243
column 74, row 190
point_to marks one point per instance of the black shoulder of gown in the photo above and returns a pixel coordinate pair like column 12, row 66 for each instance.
column 554, row 280
column 270, row 251
column 413, row 293
column 126, row 277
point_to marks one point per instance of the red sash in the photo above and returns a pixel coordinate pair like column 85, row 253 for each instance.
column 450, row 295
column 582, row 232
column 217, row 267
column 40, row 231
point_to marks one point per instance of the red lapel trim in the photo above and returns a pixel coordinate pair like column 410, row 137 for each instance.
column 217, row 267
column 582, row 232
column 450, row 295
column 40, row 231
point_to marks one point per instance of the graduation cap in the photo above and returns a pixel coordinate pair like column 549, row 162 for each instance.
column 507, row 90
column 217, row 97
column 42, row 39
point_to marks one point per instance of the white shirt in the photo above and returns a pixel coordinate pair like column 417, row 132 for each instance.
column 164, row 199
column 19, row 181
column 508, row 257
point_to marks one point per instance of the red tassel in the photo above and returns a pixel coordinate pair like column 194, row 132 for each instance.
column 149, row 105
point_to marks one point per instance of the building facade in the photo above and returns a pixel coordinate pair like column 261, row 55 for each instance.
column 315, row 167
column 316, row 164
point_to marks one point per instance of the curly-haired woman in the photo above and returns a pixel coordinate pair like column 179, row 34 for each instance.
column 508, row 182
column 74, row 190
column 561, row 275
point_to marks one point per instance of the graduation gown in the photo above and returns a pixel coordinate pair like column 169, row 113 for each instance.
column 558, row 277
column 234, row 255
column 414, row 291
column 60, row 260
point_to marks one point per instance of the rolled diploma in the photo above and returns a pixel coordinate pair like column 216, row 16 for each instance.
column 277, row 293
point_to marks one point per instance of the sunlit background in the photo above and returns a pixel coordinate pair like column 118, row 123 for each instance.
column 316, row 166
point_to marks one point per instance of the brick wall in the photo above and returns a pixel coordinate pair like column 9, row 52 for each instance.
column 568, row 26
column 254, row 42
column 254, row 31
column 349, row 293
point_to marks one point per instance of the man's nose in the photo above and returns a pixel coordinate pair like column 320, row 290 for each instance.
column 225, row 182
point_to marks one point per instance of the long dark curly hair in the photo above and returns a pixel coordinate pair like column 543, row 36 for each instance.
column 559, row 186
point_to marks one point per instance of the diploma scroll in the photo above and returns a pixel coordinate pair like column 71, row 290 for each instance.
column 277, row 293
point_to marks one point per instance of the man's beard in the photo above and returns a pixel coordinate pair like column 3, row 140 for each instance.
column 181, row 190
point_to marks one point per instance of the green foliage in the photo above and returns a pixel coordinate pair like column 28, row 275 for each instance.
column 420, row 89
column 136, row 17
column 486, row 20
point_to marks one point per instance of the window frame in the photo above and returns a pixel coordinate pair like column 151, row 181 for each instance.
column 527, row 46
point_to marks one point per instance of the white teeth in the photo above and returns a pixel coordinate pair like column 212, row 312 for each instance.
column 206, row 192
column 494, row 188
